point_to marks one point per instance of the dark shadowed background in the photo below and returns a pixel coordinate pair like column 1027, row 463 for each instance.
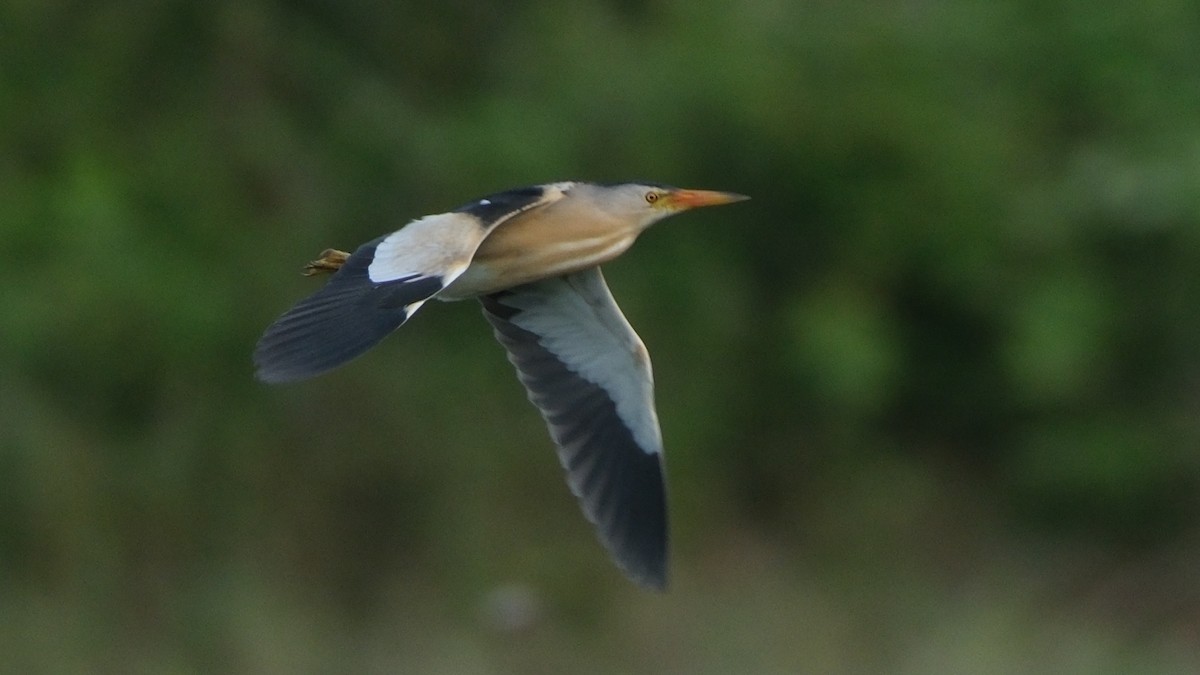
column 931, row 400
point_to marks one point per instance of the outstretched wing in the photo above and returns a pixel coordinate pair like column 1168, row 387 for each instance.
column 589, row 374
column 382, row 284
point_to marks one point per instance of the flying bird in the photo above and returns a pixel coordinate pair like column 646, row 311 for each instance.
column 531, row 256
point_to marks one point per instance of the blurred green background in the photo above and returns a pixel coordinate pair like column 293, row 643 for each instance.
column 931, row 400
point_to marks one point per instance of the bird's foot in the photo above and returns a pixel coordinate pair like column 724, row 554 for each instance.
column 331, row 260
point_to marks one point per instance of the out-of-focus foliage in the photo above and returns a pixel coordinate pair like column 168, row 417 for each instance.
column 931, row 399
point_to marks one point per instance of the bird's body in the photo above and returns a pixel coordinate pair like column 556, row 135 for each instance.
column 531, row 256
column 557, row 238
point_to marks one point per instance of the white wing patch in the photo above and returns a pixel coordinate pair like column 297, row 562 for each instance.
column 440, row 245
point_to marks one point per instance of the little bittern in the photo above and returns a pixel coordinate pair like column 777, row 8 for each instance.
column 531, row 256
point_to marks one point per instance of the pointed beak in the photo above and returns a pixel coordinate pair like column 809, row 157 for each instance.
column 691, row 199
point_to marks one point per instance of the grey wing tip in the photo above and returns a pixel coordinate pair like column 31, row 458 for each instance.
column 645, row 562
column 270, row 370
column 267, row 376
column 652, row 577
column 635, row 532
column 270, row 374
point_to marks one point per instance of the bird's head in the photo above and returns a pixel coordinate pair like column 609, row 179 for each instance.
column 647, row 203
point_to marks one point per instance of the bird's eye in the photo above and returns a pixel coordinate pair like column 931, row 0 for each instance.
column 651, row 197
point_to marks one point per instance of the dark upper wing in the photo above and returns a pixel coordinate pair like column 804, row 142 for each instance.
column 382, row 284
column 589, row 374
column 348, row 316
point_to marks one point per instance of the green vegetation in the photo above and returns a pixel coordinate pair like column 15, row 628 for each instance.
column 931, row 399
